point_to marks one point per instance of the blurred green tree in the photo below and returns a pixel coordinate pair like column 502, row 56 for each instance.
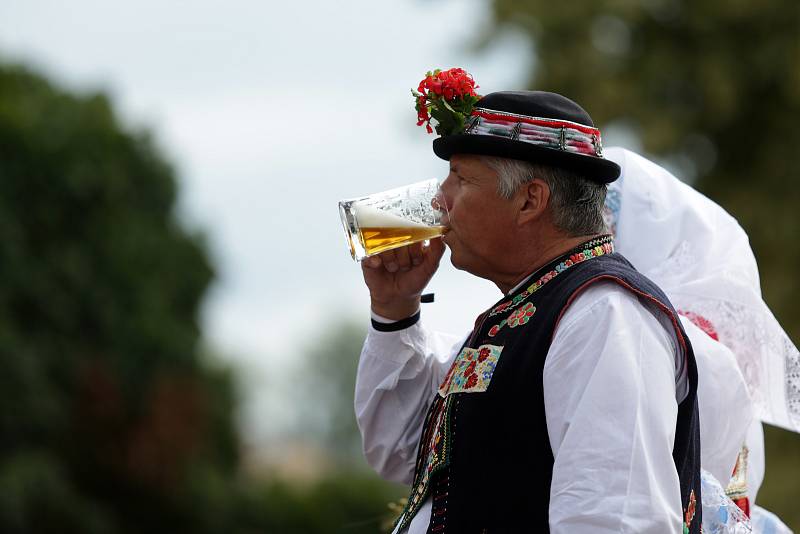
column 327, row 378
column 111, row 419
column 350, row 497
column 713, row 88
column 346, row 502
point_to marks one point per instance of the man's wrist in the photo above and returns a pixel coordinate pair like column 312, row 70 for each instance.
column 382, row 325
column 396, row 310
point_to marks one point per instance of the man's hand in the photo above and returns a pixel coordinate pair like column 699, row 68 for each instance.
column 396, row 278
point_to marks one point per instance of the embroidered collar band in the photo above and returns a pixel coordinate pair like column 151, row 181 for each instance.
column 594, row 248
column 534, row 126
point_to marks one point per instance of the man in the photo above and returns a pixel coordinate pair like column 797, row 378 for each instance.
column 571, row 407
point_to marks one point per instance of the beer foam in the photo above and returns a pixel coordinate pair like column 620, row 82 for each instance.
column 369, row 217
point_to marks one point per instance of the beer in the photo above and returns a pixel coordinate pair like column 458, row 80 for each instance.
column 380, row 231
column 379, row 239
column 392, row 219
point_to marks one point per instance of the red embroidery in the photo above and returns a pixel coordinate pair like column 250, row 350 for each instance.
column 472, row 380
column 470, row 370
column 702, row 323
column 687, row 523
column 594, row 248
column 522, row 315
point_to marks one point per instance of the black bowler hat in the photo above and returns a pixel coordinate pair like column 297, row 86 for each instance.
column 533, row 126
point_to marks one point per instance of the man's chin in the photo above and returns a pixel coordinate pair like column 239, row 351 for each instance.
column 454, row 256
column 452, row 243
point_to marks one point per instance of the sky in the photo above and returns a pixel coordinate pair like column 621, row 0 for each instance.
column 271, row 112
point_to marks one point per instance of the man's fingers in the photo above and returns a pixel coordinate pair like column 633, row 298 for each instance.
column 415, row 253
column 389, row 259
column 435, row 251
column 403, row 258
column 373, row 262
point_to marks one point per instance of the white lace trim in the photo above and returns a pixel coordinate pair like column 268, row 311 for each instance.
column 768, row 359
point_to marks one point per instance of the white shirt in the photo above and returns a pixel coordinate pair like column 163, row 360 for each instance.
column 610, row 401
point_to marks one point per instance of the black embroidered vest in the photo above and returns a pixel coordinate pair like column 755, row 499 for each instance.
column 484, row 456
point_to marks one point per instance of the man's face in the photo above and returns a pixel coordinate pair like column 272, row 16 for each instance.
column 481, row 223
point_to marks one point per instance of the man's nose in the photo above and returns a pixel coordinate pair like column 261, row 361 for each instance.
column 444, row 194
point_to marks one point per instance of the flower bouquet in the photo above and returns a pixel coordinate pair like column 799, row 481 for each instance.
column 446, row 96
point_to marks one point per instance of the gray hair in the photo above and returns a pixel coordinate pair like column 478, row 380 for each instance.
column 576, row 203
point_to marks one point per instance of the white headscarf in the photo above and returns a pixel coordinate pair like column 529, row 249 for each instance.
column 700, row 256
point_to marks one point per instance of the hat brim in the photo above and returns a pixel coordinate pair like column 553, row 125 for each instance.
column 593, row 168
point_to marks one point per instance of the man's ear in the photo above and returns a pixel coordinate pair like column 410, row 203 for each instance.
column 534, row 197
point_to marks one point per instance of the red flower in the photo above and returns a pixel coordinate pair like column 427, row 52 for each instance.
column 423, row 117
column 452, row 85
column 483, row 354
column 494, row 330
column 448, row 83
column 471, row 381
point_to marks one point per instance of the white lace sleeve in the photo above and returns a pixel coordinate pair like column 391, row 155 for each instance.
column 720, row 514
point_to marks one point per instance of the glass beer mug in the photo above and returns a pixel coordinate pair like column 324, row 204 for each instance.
column 392, row 219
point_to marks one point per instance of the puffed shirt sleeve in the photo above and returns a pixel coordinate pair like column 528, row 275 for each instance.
column 398, row 375
column 610, row 402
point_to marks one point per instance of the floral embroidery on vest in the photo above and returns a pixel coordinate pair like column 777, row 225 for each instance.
column 595, row 248
column 521, row 316
column 435, row 445
column 689, row 514
column 496, row 328
column 471, row 371
column 435, row 455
